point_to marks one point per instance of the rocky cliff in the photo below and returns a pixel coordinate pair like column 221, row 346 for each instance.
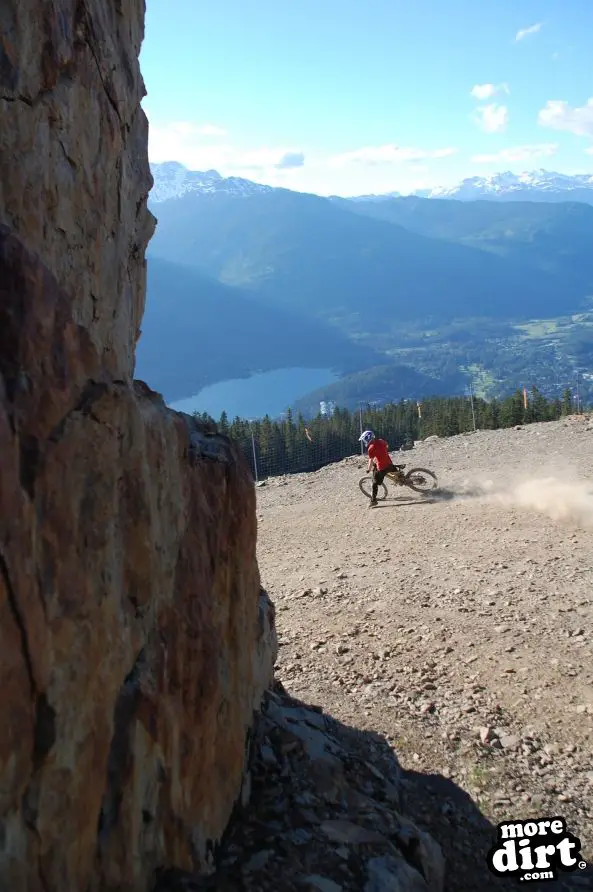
column 74, row 175
column 135, row 641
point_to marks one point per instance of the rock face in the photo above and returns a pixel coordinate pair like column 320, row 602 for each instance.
column 74, row 175
column 135, row 641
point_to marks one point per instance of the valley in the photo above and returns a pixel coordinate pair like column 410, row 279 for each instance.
column 494, row 357
column 397, row 297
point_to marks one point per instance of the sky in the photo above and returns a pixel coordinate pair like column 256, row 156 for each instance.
column 353, row 97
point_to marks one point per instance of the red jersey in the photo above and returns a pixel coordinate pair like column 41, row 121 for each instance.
column 378, row 450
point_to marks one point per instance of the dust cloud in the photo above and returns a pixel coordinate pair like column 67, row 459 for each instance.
column 563, row 500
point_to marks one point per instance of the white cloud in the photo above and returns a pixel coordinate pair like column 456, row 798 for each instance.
column 518, row 153
column 559, row 115
column 525, row 32
column 370, row 170
column 589, row 151
column 492, row 118
column 487, row 91
column 199, row 148
column 264, row 159
column 291, row 160
column 211, row 130
column 388, row 154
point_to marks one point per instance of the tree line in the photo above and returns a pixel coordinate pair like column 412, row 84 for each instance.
column 295, row 445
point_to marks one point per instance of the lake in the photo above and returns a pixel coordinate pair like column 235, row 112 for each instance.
column 267, row 393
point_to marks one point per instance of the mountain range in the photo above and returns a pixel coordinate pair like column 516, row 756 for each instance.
column 172, row 180
column 394, row 293
column 534, row 185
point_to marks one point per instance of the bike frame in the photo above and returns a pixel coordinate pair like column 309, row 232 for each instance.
column 395, row 479
column 399, row 478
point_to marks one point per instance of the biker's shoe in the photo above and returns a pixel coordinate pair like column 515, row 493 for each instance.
column 373, row 503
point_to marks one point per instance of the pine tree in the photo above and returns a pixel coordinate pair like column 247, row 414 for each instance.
column 223, row 424
column 567, row 402
column 282, row 446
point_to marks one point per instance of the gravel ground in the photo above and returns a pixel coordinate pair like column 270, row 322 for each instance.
column 458, row 627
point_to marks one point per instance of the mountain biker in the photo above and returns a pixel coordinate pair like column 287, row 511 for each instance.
column 379, row 461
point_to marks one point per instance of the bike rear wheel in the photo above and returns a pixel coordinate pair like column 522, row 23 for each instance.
column 421, row 480
column 366, row 487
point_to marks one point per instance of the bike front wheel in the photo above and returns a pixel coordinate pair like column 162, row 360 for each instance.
column 366, row 487
column 421, row 480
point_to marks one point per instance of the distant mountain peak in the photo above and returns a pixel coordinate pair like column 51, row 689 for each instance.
column 530, row 185
column 174, row 180
column 505, row 185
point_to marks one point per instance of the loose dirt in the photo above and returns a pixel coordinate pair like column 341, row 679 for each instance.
column 457, row 626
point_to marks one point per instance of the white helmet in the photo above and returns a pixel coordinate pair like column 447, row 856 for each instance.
column 366, row 437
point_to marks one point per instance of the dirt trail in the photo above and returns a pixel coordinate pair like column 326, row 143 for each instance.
column 460, row 627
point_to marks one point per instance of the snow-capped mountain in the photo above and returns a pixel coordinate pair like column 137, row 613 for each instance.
column 535, row 185
column 173, row 180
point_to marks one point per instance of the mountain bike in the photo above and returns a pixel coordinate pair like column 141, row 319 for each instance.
column 419, row 479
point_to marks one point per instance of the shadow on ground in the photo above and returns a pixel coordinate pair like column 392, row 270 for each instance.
column 447, row 494
column 444, row 494
column 332, row 810
column 405, row 503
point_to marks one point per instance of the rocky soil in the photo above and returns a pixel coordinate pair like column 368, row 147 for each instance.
column 434, row 675
column 451, row 635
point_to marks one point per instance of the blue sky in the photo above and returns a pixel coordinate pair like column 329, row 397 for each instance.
column 356, row 96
